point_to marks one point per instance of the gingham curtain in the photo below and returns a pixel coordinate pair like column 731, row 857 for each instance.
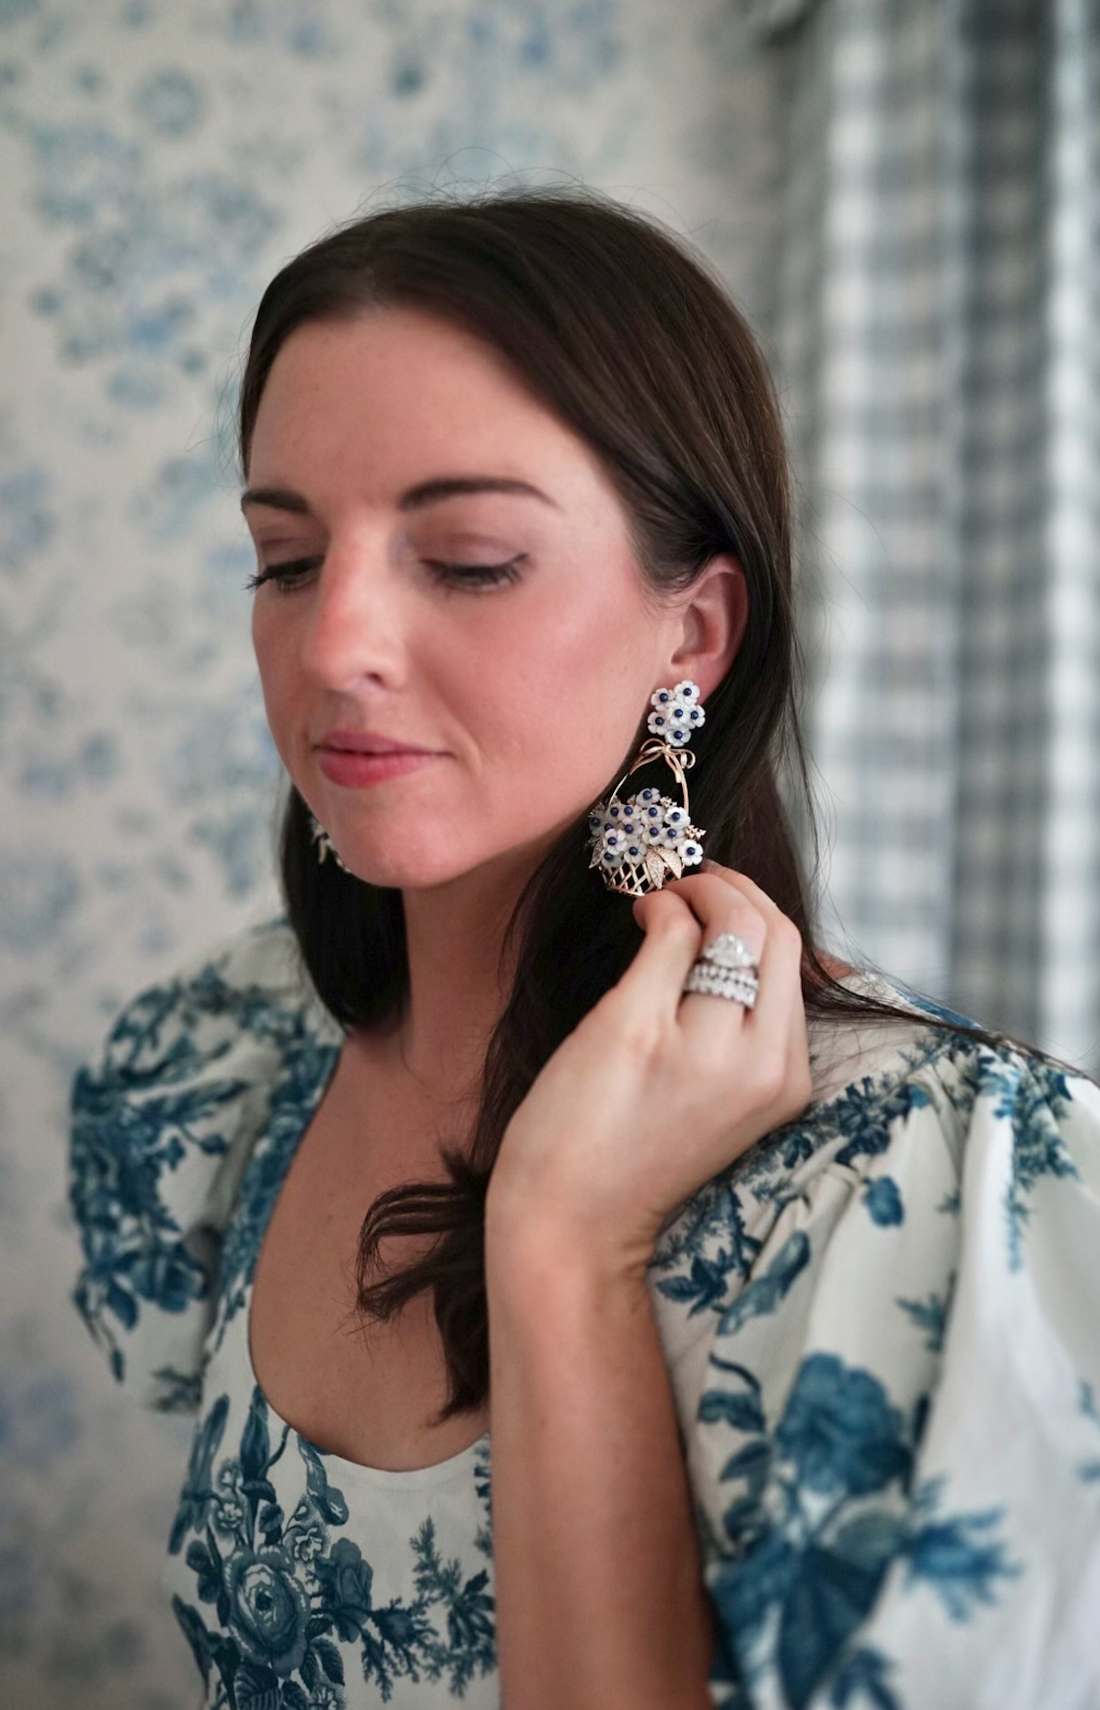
column 936, row 331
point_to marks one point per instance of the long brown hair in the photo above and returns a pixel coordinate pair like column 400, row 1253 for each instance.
column 629, row 340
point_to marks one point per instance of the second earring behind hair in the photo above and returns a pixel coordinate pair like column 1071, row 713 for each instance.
column 325, row 845
column 641, row 842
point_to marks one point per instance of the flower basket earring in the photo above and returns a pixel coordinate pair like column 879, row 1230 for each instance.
column 640, row 842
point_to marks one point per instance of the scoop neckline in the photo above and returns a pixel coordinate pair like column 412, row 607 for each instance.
column 436, row 1472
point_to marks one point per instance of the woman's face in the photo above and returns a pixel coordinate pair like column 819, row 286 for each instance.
column 453, row 637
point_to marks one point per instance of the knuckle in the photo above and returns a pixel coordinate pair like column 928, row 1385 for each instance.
column 745, row 914
column 770, row 1074
column 745, row 921
column 760, row 1078
column 641, row 1039
column 703, row 884
column 789, row 933
column 636, row 1028
column 680, row 927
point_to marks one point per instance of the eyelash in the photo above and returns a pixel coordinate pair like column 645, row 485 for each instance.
column 288, row 576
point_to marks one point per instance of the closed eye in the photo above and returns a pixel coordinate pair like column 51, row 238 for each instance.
column 476, row 575
column 286, row 576
column 293, row 573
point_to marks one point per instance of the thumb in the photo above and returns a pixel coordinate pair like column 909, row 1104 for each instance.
column 655, row 905
column 641, row 911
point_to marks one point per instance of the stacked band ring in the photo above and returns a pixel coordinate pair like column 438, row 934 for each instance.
column 725, row 969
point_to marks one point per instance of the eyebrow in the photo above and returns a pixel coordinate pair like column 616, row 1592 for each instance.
column 413, row 499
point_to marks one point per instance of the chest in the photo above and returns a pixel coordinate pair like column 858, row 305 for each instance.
column 368, row 1391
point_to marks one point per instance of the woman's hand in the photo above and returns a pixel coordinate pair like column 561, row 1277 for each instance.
column 600, row 1597
column 655, row 1092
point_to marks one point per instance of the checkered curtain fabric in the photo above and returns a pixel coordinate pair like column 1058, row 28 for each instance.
column 937, row 334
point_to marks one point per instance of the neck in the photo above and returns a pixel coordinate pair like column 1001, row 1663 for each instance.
column 459, row 979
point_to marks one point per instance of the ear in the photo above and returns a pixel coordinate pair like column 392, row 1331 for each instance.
column 710, row 623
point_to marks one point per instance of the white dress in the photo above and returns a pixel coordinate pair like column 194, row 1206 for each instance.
column 882, row 1327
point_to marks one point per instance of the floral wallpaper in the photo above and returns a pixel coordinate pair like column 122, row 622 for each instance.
column 159, row 161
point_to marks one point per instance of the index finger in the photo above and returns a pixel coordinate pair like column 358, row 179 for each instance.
column 741, row 882
column 779, row 957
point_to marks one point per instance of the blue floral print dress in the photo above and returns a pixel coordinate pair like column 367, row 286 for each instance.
column 882, row 1327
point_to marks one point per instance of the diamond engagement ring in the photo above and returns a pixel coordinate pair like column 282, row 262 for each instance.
column 727, row 969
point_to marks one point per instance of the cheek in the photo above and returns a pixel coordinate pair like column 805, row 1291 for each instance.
column 570, row 700
column 276, row 682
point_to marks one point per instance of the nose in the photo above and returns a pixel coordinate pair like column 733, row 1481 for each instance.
column 354, row 631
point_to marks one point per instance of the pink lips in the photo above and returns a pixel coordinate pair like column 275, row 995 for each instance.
column 356, row 758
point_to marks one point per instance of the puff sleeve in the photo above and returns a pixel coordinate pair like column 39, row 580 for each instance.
column 162, row 1129
column 891, row 1400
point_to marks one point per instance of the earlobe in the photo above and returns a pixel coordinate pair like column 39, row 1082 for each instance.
column 714, row 616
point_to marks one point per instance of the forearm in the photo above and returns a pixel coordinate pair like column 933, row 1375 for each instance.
column 600, row 1601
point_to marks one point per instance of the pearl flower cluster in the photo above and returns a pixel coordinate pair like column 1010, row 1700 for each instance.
column 637, row 843
column 627, row 831
column 676, row 714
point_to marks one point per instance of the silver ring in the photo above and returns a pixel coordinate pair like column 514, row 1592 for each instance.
column 739, row 985
column 726, row 969
column 729, row 951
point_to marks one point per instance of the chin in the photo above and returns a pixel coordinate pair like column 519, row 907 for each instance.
column 430, row 866
column 405, row 869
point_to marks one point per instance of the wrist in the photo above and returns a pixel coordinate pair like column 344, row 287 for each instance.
column 555, row 1309
column 551, row 1246
column 562, row 1269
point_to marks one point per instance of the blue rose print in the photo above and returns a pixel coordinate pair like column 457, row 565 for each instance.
column 824, row 1509
column 840, row 1432
column 346, row 1580
column 268, row 1610
column 285, row 1591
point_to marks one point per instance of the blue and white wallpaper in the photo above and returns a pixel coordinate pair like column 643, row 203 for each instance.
column 159, row 161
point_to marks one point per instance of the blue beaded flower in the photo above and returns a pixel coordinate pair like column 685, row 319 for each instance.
column 676, row 713
column 639, row 842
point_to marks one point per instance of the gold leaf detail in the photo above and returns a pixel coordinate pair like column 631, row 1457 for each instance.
column 655, row 867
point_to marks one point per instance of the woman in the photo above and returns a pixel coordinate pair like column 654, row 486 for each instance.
column 769, row 1288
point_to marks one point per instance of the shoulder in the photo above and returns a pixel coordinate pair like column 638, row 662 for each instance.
column 188, row 1066
column 231, row 1013
column 886, row 1376
column 253, row 981
column 164, row 1121
column 906, row 1119
column 894, row 1096
column 919, row 1085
